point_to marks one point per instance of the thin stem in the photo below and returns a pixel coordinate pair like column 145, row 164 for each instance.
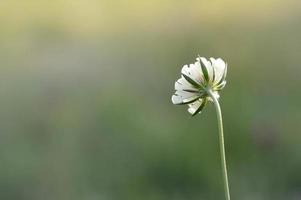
column 221, row 144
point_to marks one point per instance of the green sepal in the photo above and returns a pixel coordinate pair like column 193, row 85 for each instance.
column 201, row 107
column 213, row 73
column 191, row 91
column 191, row 81
column 205, row 71
column 220, row 86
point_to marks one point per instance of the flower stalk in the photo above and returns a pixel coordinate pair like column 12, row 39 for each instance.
column 200, row 83
column 221, row 144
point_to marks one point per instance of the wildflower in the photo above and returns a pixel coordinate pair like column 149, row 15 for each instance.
column 200, row 83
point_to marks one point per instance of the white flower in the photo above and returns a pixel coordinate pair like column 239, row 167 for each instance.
column 198, row 82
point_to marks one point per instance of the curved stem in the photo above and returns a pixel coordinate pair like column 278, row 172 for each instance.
column 221, row 144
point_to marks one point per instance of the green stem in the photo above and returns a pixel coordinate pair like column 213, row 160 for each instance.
column 221, row 144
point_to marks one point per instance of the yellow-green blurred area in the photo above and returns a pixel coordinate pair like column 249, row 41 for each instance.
column 85, row 100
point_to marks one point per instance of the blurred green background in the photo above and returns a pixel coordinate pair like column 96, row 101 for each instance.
column 85, row 109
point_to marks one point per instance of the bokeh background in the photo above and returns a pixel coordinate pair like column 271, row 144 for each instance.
column 85, row 110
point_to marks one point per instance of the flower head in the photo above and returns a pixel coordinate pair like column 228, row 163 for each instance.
column 199, row 82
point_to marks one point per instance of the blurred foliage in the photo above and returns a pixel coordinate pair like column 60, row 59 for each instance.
column 85, row 100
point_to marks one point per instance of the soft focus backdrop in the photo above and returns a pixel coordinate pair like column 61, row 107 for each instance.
column 85, row 109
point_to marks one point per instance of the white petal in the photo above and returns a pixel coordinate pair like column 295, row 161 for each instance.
column 183, row 81
column 194, row 106
column 192, row 73
column 198, row 71
column 181, row 97
column 176, row 99
column 182, row 84
column 219, row 66
column 186, row 95
column 185, row 70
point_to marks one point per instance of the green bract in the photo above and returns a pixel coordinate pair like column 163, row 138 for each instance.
column 197, row 80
